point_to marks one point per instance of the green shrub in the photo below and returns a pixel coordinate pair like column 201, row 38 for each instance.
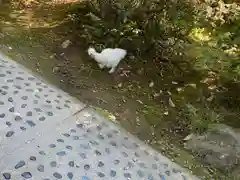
column 146, row 28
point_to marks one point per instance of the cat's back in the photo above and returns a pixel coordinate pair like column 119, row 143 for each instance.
column 120, row 52
column 113, row 56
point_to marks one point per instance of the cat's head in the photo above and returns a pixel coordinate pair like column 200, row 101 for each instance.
column 91, row 52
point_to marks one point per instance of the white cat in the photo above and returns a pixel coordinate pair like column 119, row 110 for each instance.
column 109, row 58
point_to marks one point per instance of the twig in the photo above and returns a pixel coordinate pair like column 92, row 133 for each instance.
column 100, row 99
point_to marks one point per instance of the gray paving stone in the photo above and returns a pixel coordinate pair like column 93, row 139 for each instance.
column 27, row 104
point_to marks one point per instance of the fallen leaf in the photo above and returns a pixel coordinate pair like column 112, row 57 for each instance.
column 151, row 84
column 93, row 17
column 212, row 87
column 171, row 103
column 193, row 85
column 55, row 69
column 120, row 85
column 139, row 101
column 210, row 98
column 179, row 90
column 156, row 95
column 112, row 117
column 165, row 113
column 53, row 56
column 188, row 137
column 65, row 44
column 174, row 82
column 124, row 100
column 169, row 93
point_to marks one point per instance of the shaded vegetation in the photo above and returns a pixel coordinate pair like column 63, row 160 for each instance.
column 190, row 38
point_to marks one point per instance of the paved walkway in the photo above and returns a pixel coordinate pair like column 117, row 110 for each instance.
column 47, row 135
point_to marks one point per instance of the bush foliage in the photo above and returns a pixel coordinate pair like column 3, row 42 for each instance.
column 153, row 28
column 203, row 33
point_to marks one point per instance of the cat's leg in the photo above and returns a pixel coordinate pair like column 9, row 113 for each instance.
column 112, row 70
column 101, row 66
